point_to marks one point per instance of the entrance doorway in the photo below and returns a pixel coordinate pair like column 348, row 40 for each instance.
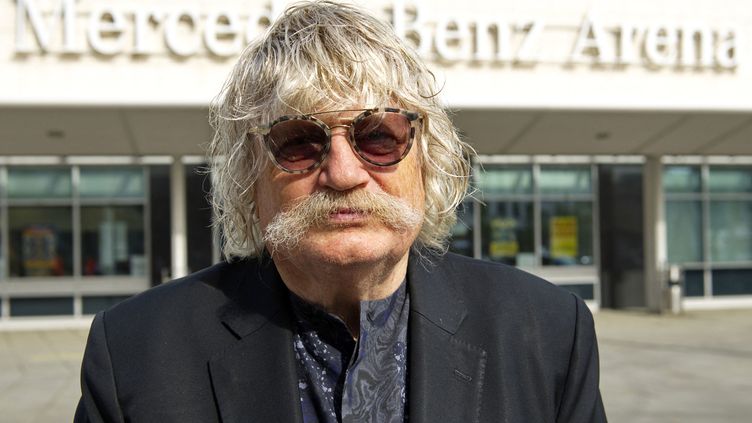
column 621, row 237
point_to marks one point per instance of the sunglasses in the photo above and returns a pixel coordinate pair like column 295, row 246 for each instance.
column 380, row 136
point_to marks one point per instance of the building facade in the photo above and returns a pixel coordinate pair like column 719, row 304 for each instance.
column 615, row 140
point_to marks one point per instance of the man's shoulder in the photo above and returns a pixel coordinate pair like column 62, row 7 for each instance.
column 195, row 294
column 495, row 278
column 493, row 289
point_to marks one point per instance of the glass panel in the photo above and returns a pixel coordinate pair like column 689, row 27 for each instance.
column 41, row 241
column 507, row 232
column 684, row 231
column 112, row 182
column 2, row 247
column 93, row 305
column 730, row 231
column 586, row 291
column 565, row 180
column 42, row 183
column 567, row 233
column 681, row 179
column 732, row 281
column 198, row 218
column 462, row 232
column 112, row 241
column 694, row 283
column 730, row 179
column 495, row 179
column 160, row 236
column 41, row 306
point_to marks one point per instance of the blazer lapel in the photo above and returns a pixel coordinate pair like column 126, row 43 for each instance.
column 256, row 379
column 445, row 373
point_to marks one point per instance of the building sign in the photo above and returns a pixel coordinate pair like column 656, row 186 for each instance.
column 186, row 31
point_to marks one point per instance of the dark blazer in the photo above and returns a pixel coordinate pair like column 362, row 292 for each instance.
column 487, row 343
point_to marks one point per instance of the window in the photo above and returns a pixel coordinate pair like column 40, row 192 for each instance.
column 112, row 240
column 506, row 180
column 567, row 233
column 41, row 241
column 565, row 180
column 67, row 222
column 462, row 233
column 684, row 230
column 101, row 182
column 507, row 217
column 41, row 211
column 39, row 183
column 709, row 227
column 730, row 179
column 537, row 215
column 730, row 231
column 508, row 233
column 681, row 179
column 694, row 283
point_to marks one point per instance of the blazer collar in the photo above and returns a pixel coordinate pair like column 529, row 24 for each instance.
column 256, row 378
column 433, row 292
column 255, row 294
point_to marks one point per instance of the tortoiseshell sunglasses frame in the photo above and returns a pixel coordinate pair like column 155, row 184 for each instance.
column 414, row 119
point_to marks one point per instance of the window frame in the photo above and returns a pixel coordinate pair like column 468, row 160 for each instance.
column 75, row 285
column 576, row 275
column 705, row 196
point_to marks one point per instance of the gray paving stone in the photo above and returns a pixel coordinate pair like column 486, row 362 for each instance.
column 692, row 368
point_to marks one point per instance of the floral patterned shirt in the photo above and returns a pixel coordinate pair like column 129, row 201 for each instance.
column 341, row 379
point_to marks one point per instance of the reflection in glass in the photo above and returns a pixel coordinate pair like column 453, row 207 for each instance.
column 682, row 179
column 198, row 215
column 41, row 241
column 41, row 306
column 112, row 182
column 730, row 179
column 694, row 283
column 684, row 231
column 730, row 231
column 565, row 180
column 507, row 232
column 495, row 179
column 112, row 241
column 39, row 182
column 567, row 233
column 732, row 281
column 462, row 233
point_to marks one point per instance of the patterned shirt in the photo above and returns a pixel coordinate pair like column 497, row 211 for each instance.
column 341, row 379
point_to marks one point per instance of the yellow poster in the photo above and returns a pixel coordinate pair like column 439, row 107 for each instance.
column 564, row 237
column 503, row 238
column 38, row 249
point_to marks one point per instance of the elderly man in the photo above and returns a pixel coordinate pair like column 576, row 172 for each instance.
column 336, row 176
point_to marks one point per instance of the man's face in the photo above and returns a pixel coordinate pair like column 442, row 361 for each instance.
column 345, row 236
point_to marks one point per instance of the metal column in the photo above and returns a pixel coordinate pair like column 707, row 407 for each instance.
column 655, row 233
column 179, row 233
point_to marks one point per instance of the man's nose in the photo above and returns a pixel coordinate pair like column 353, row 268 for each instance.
column 342, row 170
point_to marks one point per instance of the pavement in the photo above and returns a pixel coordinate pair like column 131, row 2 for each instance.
column 692, row 368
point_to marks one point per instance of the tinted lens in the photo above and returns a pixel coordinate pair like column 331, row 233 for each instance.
column 297, row 144
column 382, row 138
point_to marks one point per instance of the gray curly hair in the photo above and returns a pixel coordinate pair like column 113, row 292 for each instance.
column 314, row 57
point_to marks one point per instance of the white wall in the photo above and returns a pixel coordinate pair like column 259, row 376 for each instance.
column 545, row 78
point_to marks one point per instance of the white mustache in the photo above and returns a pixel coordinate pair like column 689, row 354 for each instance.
column 288, row 227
